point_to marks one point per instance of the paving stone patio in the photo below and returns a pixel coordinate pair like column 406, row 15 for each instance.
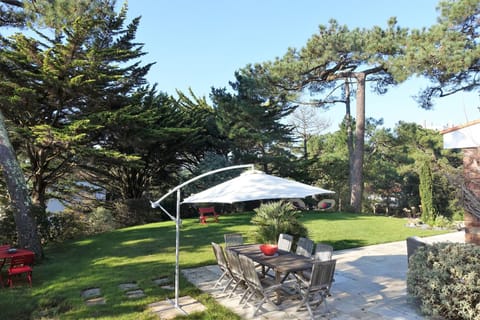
column 369, row 284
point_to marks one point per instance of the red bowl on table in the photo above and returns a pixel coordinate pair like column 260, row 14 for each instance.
column 269, row 249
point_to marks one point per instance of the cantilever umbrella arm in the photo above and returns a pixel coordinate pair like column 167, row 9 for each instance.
column 178, row 221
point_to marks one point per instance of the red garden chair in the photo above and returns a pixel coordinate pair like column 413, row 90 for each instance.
column 20, row 265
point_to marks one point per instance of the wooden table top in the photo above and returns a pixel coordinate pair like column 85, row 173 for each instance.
column 282, row 261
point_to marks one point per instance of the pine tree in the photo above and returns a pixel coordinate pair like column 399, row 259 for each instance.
column 426, row 193
column 339, row 58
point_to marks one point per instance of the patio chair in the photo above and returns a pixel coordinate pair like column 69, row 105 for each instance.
column 326, row 204
column 285, row 242
column 20, row 265
column 265, row 289
column 413, row 243
column 298, row 204
column 236, row 271
column 304, row 247
column 233, row 239
column 315, row 290
column 203, row 214
column 323, row 252
column 222, row 264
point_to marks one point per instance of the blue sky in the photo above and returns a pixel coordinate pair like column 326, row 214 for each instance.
column 199, row 44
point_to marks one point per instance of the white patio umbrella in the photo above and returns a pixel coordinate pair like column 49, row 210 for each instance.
column 251, row 185
column 255, row 185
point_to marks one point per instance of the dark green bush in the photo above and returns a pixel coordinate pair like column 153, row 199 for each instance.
column 63, row 225
column 445, row 279
column 133, row 212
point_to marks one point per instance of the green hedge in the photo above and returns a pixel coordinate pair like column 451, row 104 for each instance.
column 444, row 278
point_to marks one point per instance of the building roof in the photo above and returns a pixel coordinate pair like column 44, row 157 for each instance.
column 462, row 136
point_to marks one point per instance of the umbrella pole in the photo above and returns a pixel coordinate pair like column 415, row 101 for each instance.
column 177, row 251
column 178, row 222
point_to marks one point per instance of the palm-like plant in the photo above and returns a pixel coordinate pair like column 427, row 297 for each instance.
column 277, row 217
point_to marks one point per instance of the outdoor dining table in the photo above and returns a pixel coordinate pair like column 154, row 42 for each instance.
column 282, row 263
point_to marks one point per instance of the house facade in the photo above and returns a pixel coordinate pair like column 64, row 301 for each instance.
column 467, row 138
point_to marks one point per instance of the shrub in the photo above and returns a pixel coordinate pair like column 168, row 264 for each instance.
column 8, row 229
column 100, row 220
column 445, row 279
column 60, row 226
column 442, row 222
column 278, row 217
column 133, row 212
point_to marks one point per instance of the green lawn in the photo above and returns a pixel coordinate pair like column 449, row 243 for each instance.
column 141, row 254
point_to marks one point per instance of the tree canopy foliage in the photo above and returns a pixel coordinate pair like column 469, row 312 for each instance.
column 447, row 53
column 89, row 130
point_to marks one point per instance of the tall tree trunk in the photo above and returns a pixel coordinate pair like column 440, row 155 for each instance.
column 18, row 191
column 348, row 124
column 357, row 173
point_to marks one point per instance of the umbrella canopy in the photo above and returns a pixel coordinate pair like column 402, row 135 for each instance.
column 255, row 185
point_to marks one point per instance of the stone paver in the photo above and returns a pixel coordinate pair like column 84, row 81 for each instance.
column 369, row 284
column 95, row 301
column 166, row 310
column 128, row 286
column 90, row 293
column 92, row 296
column 133, row 294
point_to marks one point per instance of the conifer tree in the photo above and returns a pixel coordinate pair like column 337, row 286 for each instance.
column 13, row 15
column 250, row 120
column 52, row 83
column 447, row 53
column 339, row 58
column 426, row 193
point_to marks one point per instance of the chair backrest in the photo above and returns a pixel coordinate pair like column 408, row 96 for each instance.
column 298, row 204
column 323, row 252
column 233, row 239
column 326, row 204
column 285, row 242
column 304, row 247
column 322, row 275
column 21, row 261
column 249, row 272
column 207, row 210
column 413, row 243
column 234, row 263
column 219, row 255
